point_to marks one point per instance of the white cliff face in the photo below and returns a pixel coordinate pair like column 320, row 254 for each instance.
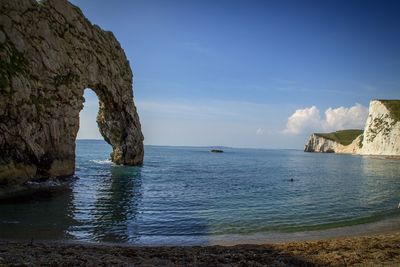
column 353, row 148
column 381, row 133
column 321, row 144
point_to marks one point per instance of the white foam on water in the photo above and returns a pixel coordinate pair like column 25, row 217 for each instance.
column 103, row 162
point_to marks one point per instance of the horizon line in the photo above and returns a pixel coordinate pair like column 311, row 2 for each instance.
column 197, row 146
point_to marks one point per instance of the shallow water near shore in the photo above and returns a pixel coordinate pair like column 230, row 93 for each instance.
column 188, row 195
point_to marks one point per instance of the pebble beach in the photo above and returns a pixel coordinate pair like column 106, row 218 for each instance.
column 371, row 250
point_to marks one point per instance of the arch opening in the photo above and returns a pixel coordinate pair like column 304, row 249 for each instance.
column 88, row 127
column 112, row 120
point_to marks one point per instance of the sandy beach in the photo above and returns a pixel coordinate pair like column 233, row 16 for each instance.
column 369, row 250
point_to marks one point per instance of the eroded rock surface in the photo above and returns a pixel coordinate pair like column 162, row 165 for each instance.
column 50, row 53
column 381, row 135
column 321, row 144
column 382, row 130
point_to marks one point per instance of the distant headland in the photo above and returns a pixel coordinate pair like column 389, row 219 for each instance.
column 381, row 135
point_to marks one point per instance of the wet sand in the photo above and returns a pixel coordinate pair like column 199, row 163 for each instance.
column 371, row 250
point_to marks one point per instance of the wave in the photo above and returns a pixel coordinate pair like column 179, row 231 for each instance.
column 103, row 162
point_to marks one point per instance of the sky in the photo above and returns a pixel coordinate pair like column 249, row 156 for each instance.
column 261, row 74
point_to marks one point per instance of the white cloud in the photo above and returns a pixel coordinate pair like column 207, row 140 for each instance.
column 309, row 119
column 345, row 118
column 302, row 119
column 260, row 131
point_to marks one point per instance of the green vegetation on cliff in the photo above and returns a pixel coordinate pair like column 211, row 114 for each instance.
column 344, row 137
column 394, row 107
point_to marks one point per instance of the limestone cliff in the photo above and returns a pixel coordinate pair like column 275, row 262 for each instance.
column 346, row 141
column 381, row 135
column 49, row 53
column 382, row 130
column 320, row 144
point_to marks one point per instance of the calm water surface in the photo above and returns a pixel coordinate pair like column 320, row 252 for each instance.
column 189, row 195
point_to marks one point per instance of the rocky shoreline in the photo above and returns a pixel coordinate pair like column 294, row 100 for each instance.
column 372, row 250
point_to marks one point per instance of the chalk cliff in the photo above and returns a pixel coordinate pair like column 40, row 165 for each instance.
column 381, row 135
column 49, row 54
column 382, row 130
column 318, row 143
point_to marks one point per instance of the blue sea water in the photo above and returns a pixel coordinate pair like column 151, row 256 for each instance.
column 188, row 195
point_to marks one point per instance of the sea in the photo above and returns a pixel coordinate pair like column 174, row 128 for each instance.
column 191, row 196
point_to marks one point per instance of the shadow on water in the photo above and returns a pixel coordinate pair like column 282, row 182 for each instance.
column 116, row 208
column 101, row 207
column 41, row 214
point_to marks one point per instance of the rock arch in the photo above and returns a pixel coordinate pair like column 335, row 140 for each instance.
column 49, row 54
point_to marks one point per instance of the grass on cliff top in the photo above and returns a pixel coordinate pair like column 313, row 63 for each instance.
column 344, row 137
column 394, row 107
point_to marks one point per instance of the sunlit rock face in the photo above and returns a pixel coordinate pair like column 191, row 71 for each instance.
column 382, row 130
column 320, row 144
column 381, row 134
column 49, row 54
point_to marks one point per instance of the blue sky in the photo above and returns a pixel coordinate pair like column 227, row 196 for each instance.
column 251, row 73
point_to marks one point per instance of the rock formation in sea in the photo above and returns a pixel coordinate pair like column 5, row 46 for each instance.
column 50, row 53
column 381, row 135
